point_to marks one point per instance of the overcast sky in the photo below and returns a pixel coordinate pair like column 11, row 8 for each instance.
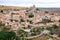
column 28, row 3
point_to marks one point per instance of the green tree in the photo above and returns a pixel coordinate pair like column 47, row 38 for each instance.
column 11, row 35
column 5, row 35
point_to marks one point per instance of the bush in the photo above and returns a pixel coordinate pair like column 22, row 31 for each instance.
column 11, row 20
column 46, row 11
column 59, row 20
column 1, row 11
column 16, row 20
column 22, row 20
column 58, row 35
column 29, row 26
column 55, row 26
column 2, row 24
column 31, row 22
column 30, row 15
column 22, row 33
column 47, row 20
column 51, row 33
column 37, row 8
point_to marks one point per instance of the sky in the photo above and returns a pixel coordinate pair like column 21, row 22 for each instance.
column 28, row 3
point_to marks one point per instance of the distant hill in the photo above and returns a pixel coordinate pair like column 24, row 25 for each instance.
column 49, row 8
column 11, row 7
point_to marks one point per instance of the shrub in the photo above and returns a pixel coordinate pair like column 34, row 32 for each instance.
column 46, row 11
column 59, row 20
column 11, row 20
column 29, row 26
column 22, row 20
column 31, row 22
column 47, row 20
column 37, row 8
column 1, row 11
column 2, row 24
column 30, row 15
column 58, row 35
column 55, row 26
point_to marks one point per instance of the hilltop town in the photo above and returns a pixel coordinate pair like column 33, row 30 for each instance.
column 31, row 23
